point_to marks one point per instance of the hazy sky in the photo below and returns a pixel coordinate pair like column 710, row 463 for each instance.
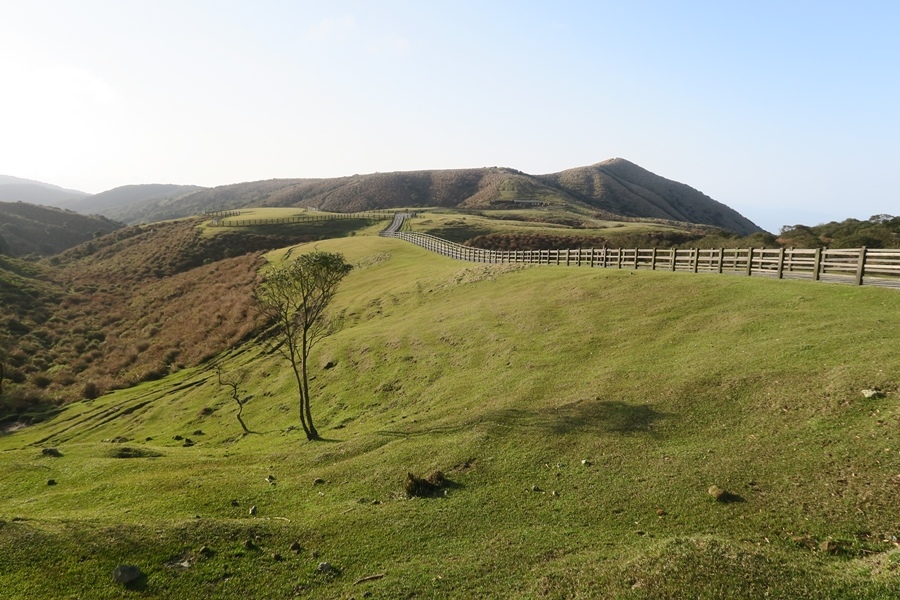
column 787, row 111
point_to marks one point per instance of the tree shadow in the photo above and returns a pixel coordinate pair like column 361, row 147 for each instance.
column 601, row 416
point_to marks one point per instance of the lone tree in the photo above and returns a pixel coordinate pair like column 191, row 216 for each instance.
column 233, row 381
column 294, row 298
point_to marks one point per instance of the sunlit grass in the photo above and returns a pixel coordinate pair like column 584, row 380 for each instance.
column 581, row 415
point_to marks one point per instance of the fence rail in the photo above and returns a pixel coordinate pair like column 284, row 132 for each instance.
column 226, row 218
column 859, row 266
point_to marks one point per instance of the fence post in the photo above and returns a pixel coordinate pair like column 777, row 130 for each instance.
column 567, row 257
column 674, row 254
column 817, row 264
column 861, row 266
column 635, row 259
column 781, row 263
column 721, row 259
column 695, row 258
column 653, row 260
column 749, row 262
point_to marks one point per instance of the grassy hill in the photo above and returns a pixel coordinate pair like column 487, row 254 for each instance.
column 581, row 416
column 130, row 306
column 42, row 230
column 612, row 189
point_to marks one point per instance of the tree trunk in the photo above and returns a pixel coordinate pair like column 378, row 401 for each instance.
column 240, row 420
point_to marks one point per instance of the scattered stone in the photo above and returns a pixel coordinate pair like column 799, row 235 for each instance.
column 51, row 452
column 249, row 545
column 121, row 439
column 125, row 574
column 640, row 532
column 586, row 462
column 205, row 551
column 149, row 439
column 235, row 503
column 177, row 438
column 318, row 481
column 198, row 432
column 718, row 494
column 831, row 547
column 330, row 365
column 188, row 442
column 277, row 557
column 51, row 482
column 555, row 494
column 376, row 502
column 660, row 512
column 324, row 567
column 295, row 547
column 270, row 479
column 535, row 488
column 314, row 554
column 253, row 510
column 872, row 394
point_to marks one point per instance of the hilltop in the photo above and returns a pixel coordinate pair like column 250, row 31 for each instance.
column 16, row 189
column 610, row 189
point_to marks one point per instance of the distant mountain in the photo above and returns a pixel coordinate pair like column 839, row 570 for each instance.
column 16, row 189
column 117, row 203
column 622, row 187
column 613, row 187
column 32, row 229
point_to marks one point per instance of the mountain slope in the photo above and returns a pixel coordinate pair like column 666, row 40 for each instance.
column 616, row 187
column 624, row 188
column 115, row 203
column 32, row 229
column 16, row 189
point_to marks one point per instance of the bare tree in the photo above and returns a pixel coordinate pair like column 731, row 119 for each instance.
column 234, row 381
column 294, row 298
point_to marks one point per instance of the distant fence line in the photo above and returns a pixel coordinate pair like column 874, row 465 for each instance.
column 226, row 218
column 860, row 266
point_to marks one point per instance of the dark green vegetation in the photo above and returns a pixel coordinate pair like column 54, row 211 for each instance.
column 614, row 189
column 879, row 231
column 41, row 230
column 130, row 306
column 578, row 416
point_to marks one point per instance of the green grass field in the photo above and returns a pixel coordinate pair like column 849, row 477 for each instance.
column 580, row 415
column 459, row 226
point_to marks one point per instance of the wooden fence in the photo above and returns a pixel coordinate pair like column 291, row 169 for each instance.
column 226, row 218
column 857, row 266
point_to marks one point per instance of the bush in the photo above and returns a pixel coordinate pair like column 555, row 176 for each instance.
column 90, row 391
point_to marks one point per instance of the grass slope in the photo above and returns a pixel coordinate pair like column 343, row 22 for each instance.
column 506, row 379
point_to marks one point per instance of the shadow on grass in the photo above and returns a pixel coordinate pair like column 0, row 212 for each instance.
column 602, row 416
column 597, row 416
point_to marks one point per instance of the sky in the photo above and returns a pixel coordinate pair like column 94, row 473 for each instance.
column 787, row 111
